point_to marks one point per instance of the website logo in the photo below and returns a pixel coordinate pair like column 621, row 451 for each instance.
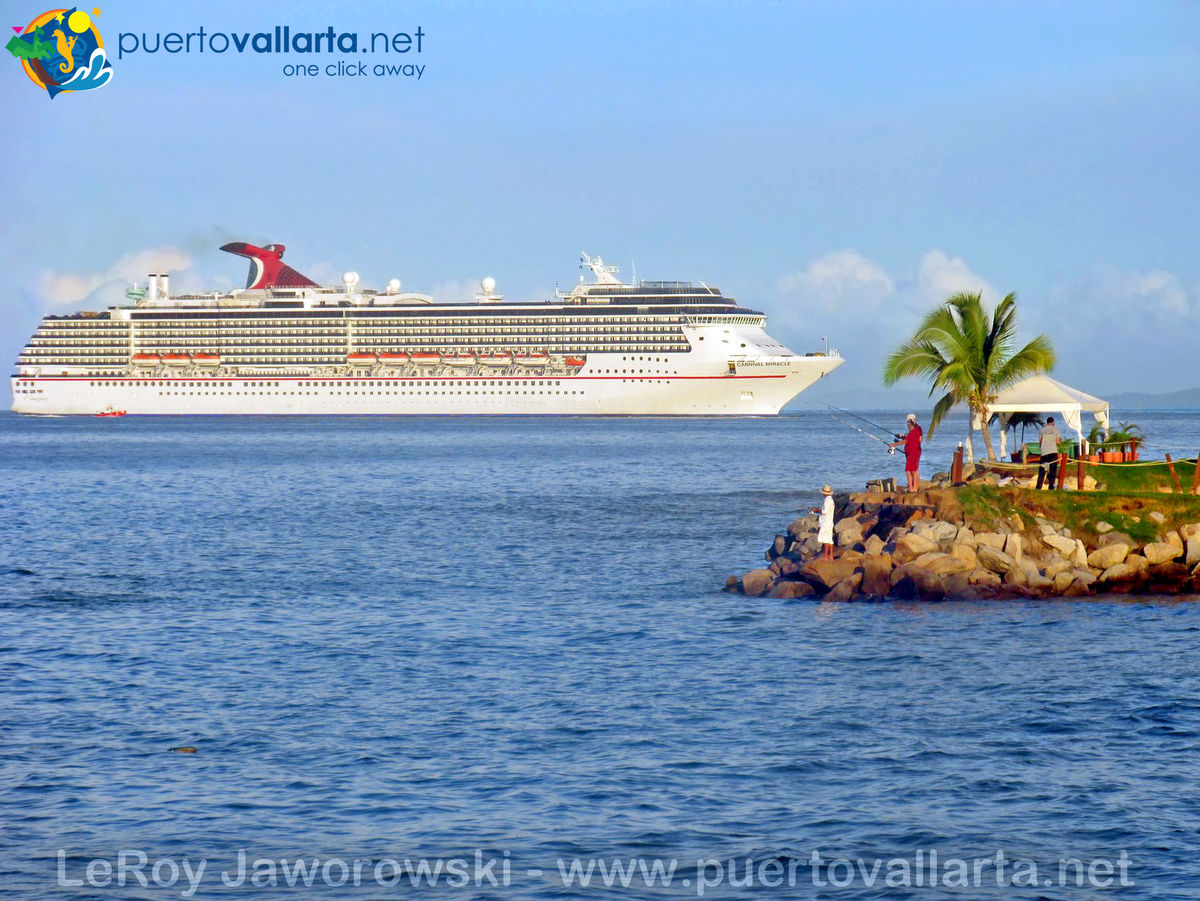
column 61, row 50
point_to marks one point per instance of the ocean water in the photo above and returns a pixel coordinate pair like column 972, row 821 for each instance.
column 424, row 643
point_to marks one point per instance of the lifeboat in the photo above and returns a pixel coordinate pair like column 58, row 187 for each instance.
column 145, row 359
column 575, row 362
column 176, row 359
column 426, row 358
column 494, row 360
column 533, row 359
column 459, row 360
column 360, row 359
column 393, row 359
column 206, row 359
column 109, row 411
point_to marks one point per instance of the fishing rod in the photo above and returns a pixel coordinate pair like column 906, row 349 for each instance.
column 864, row 419
column 890, row 449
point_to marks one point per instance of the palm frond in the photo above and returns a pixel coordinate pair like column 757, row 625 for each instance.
column 1034, row 358
column 944, row 405
column 966, row 350
column 913, row 358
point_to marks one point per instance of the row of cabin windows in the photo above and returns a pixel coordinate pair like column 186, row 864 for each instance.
column 335, row 383
column 492, row 392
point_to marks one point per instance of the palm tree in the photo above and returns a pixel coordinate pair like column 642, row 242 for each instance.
column 969, row 354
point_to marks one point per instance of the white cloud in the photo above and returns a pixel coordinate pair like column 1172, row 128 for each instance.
column 1155, row 291
column 844, row 275
column 1156, row 298
column 939, row 276
column 64, row 288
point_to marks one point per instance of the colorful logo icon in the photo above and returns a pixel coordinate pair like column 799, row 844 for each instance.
column 61, row 50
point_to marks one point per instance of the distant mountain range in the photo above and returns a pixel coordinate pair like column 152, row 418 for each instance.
column 1187, row 399
column 826, row 392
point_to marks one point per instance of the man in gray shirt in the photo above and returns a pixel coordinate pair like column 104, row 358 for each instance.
column 1048, row 438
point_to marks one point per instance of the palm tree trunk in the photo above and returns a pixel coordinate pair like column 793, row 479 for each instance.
column 987, row 436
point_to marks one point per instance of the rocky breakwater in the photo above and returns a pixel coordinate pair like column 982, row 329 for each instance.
column 930, row 547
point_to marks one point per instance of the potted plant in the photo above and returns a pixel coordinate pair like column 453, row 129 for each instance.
column 1120, row 445
column 1095, row 439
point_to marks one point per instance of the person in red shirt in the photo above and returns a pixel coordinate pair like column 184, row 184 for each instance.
column 912, row 453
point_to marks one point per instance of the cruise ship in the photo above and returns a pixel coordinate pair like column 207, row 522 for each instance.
column 286, row 345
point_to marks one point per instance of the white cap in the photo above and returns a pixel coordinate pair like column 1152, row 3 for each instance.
column 911, row 417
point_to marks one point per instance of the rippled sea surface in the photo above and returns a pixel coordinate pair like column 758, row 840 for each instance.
column 453, row 641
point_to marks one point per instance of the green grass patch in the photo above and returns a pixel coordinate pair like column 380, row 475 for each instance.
column 1127, row 477
column 986, row 506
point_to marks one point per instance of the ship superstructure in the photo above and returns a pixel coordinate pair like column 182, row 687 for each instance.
column 286, row 345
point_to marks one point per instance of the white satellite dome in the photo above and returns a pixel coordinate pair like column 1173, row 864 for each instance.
column 488, row 285
column 350, row 279
column 393, row 286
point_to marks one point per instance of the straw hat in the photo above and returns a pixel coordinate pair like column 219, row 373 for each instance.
column 825, row 489
column 911, row 417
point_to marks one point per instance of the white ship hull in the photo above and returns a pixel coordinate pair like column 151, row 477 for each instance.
column 756, row 387
column 287, row 346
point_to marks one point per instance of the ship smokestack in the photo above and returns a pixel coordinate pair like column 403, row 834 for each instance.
column 164, row 286
column 151, row 287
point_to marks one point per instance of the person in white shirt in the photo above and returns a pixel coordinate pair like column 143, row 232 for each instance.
column 825, row 523
column 1048, row 439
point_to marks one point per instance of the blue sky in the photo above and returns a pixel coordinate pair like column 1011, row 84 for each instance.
column 842, row 166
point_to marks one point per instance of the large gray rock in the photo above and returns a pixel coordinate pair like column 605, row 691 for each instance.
column 965, row 536
column 1040, row 585
column 1115, row 538
column 877, row 571
column 848, row 531
column 784, row 566
column 1064, row 546
column 1193, row 551
column 1078, row 588
column 911, row 546
column 989, row 539
column 924, row 528
column 824, row 574
column 1135, row 562
column 965, row 553
column 1118, row 578
column 804, row 525
column 911, row 581
column 874, row 546
column 778, row 546
column 792, row 590
column 845, row 590
column 1030, row 566
column 758, row 581
column 943, row 531
column 1079, row 557
column 1062, row 580
column 1189, row 531
column 1014, row 546
column 807, row 547
column 941, row 564
column 995, row 560
column 1047, row 526
column 1053, row 565
column 1084, row 577
column 1109, row 555
column 1162, row 551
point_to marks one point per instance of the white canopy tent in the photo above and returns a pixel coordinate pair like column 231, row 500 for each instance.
column 1042, row 394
